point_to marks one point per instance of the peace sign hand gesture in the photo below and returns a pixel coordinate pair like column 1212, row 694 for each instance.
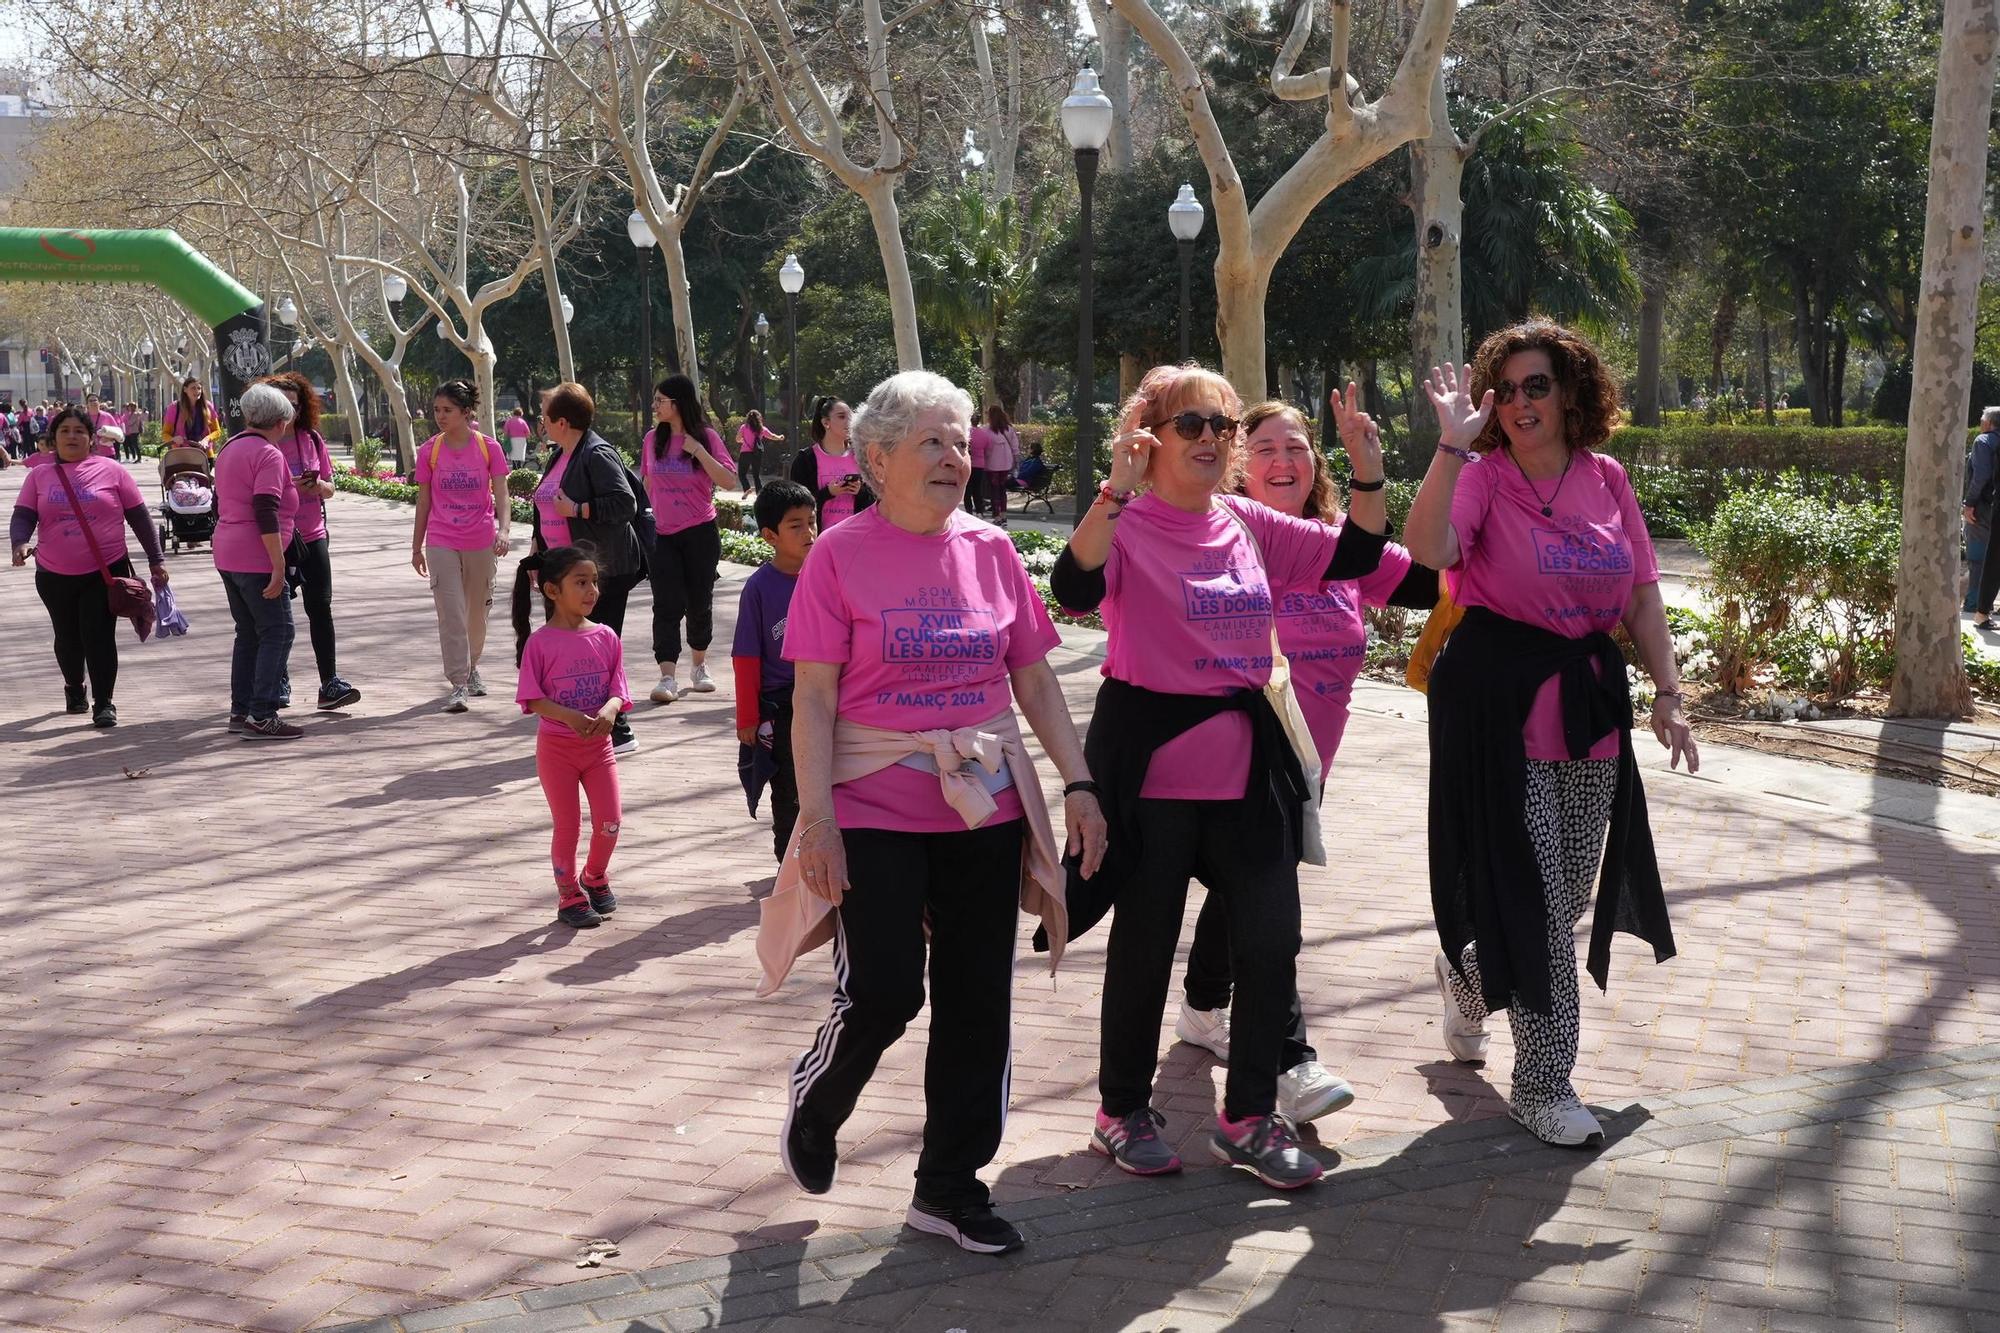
column 1358, row 435
column 1450, row 391
column 1130, row 453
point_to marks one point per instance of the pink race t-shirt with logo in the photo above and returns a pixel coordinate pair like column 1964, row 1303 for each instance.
column 833, row 468
column 1325, row 637
column 249, row 466
column 554, row 527
column 1188, row 606
column 1571, row 571
column 104, row 489
column 680, row 489
column 577, row 668
column 976, row 444
column 461, row 486
column 926, row 630
column 748, row 437
column 308, row 453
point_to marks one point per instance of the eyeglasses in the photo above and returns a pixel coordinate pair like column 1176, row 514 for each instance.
column 1189, row 425
column 1535, row 386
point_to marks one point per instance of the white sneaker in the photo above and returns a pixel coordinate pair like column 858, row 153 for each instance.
column 666, row 691
column 1310, row 1090
column 1567, row 1124
column 474, row 686
column 454, row 702
column 1206, row 1028
column 698, row 681
column 1464, row 1037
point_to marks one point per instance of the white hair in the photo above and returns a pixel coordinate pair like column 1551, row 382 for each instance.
column 892, row 409
column 1989, row 416
column 265, row 406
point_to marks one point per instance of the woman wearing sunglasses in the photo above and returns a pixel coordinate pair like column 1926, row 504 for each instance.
column 1530, row 717
column 1190, row 762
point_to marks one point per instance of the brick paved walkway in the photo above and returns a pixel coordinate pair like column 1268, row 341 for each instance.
column 288, row 1038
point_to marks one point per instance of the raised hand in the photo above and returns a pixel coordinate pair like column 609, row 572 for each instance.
column 1131, row 452
column 1358, row 433
column 1460, row 420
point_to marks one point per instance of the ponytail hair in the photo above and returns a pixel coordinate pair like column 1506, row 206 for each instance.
column 553, row 565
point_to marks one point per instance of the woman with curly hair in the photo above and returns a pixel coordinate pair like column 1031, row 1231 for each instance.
column 1530, row 717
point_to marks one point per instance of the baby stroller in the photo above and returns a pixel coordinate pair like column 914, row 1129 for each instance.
column 187, row 489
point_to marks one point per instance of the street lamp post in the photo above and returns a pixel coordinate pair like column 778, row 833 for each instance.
column 1086, row 122
column 395, row 287
column 763, row 331
column 792, row 277
column 641, row 233
column 149, row 399
column 1184, row 218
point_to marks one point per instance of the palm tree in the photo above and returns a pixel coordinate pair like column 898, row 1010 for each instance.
column 972, row 259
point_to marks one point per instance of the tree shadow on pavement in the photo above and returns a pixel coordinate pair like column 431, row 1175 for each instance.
column 441, row 784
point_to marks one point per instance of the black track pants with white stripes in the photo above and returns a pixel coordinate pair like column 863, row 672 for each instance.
column 968, row 885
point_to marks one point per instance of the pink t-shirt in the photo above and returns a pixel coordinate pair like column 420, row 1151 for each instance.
column 1325, row 637
column 461, row 487
column 976, row 444
column 748, row 437
column 926, row 630
column 516, row 428
column 577, row 668
column 555, row 528
column 37, row 458
column 105, row 491
column 1571, row 572
column 832, row 468
column 1188, row 606
column 680, row 489
column 250, row 465
column 303, row 454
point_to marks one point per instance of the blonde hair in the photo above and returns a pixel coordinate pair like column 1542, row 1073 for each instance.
column 1165, row 391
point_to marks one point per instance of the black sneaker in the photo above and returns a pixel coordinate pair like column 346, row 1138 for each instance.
column 75, row 700
column 105, row 714
column 602, row 900
column 975, row 1227
column 809, row 1153
column 337, row 693
column 622, row 739
column 270, row 728
column 580, row 916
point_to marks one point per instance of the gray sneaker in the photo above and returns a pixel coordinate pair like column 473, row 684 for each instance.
column 1133, row 1142
column 474, row 686
column 272, row 728
column 1266, row 1146
column 455, row 702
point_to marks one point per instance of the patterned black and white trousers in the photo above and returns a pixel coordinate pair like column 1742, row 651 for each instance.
column 1568, row 809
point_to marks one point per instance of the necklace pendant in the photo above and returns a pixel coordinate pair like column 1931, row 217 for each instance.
column 1548, row 511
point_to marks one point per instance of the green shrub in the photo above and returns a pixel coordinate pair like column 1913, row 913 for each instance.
column 1870, row 453
column 1802, row 583
column 521, row 482
column 367, row 457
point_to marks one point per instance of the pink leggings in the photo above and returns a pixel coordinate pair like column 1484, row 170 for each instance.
column 564, row 761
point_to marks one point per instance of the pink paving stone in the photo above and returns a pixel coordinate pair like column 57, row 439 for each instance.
column 251, row 1038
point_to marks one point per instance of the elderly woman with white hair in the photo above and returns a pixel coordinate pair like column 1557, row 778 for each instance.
column 915, row 630
column 256, row 507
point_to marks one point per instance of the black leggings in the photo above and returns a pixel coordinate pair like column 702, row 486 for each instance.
column 86, row 631
column 1246, row 852
column 1989, row 576
column 749, row 469
column 316, row 597
column 1209, row 979
column 684, row 569
column 963, row 890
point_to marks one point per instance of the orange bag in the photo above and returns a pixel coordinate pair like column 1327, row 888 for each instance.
column 1444, row 619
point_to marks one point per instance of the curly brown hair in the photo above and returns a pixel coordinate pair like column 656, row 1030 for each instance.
column 1322, row 501
column 1589, row 393
column 305, row 400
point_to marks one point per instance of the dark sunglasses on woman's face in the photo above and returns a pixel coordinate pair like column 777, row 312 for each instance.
column 1535, row 386
column 1189, row 425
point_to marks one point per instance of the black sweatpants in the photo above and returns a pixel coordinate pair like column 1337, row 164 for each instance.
column 86, row 631
column 784, row 786
column 749, row 468
column 1989, row 576
column 1209, row 977
column 1246, row 853
column 316, row 597
column 684, row 569
column 967, row 886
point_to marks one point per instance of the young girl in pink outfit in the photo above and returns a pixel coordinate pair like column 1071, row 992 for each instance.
column 573, row 678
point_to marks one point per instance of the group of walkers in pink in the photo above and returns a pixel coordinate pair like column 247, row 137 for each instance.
column 886, row 660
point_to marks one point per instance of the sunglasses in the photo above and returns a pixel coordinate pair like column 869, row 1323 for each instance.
column 1189, row 425
column 1537, row 387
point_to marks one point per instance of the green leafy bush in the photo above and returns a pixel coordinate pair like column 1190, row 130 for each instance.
column 521, row 482
column 367, row 457
column 1803, row 584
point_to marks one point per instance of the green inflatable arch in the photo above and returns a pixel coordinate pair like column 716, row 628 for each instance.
column 159, row 258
